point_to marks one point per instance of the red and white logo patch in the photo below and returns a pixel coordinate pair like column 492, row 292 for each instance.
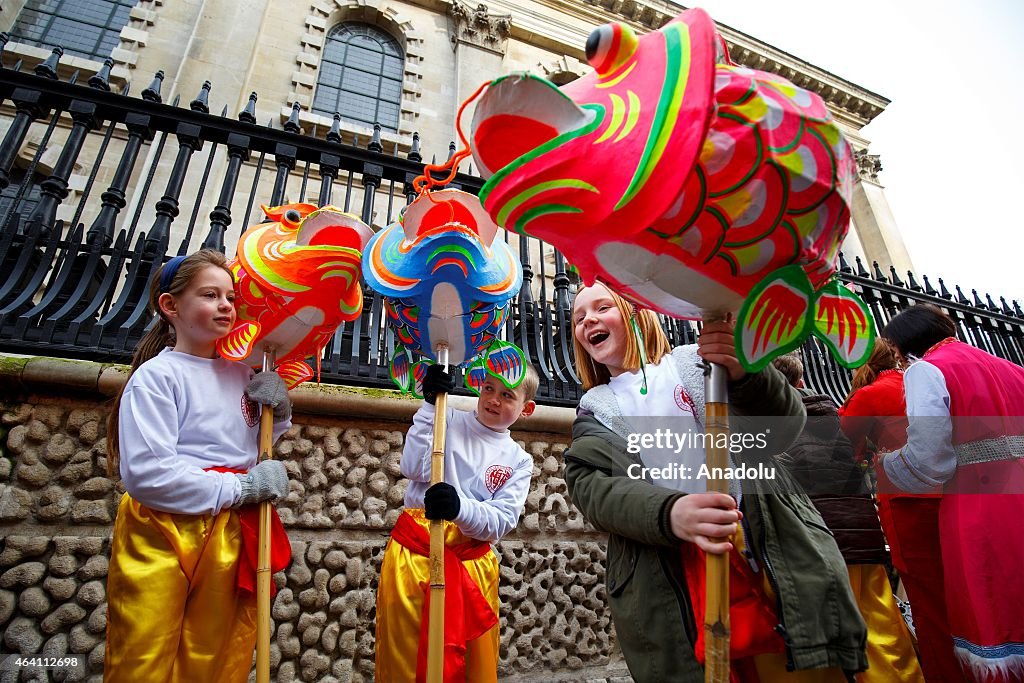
column 250, row 411
column 496, row 476
column 684, row 402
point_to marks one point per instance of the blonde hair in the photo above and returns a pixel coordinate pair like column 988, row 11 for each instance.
column 655, row 342
column 530, row 384
column 159, row 336
column 791, row 367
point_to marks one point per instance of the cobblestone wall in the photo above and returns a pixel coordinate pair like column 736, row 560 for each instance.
column 56, row 510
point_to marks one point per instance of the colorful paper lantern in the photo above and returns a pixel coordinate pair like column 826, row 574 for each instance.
column 297, row 280
column 682, row 181
column 446, row 280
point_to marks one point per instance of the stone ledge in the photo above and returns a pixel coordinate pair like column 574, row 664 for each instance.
column 27, row 372
column 30, row 374
column 31, row 55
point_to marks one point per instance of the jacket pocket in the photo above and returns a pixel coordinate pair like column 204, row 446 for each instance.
column 622, row 560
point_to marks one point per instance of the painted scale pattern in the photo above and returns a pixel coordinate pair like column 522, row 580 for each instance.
column 772, row 185
column 481, row 324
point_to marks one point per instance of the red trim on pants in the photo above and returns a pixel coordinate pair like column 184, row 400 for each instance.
column 280, row 546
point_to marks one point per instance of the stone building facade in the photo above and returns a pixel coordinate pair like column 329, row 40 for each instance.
column 288, row 51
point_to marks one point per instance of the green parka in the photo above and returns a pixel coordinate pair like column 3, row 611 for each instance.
column 650, row 605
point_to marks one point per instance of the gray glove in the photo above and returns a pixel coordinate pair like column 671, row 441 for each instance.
column 268, row 480
column 267, row 388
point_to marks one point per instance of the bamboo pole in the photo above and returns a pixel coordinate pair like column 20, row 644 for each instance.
column 716, row 585
column 263, row 551
column 435, row 633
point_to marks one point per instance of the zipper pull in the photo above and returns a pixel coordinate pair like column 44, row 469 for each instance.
column 752, row 561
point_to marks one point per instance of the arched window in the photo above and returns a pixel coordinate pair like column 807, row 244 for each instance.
column 360, row 76
column 86, row 28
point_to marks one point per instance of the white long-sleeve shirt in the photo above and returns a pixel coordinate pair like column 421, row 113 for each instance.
column 666, row 397
column 928, row 460
column 179, row 415
column 489, row 470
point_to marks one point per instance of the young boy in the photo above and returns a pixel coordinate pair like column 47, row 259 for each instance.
column 486, row 479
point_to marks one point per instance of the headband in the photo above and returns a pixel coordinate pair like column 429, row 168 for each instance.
column 170, row 269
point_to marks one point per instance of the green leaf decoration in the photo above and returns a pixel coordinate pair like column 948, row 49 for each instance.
column 476, row 374
column 419, row 371
column 843, row 321
column 401, row 368
column 502, row 360
column 774, row 318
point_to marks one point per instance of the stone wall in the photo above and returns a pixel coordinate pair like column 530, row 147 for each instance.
column 57, row 506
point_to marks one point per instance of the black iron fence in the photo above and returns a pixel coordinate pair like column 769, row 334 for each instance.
column 77, row 287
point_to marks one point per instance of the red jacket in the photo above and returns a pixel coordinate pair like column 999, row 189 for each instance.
column 877, row 412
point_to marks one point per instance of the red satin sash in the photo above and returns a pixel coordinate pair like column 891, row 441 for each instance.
column 467, row 614
column 280, row 546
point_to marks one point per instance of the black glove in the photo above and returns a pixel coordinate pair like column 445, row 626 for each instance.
column 267, row 388
column 441, row 501
column 436, row 381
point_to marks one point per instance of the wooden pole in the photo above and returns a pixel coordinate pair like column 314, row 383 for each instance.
column 263, row 551
column 716, row 585
column 435, row 633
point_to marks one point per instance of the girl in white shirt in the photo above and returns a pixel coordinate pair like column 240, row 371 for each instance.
column 184, row 437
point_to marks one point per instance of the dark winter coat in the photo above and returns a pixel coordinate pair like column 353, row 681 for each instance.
column 822, row 461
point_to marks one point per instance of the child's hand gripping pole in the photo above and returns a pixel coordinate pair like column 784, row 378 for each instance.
column 716, row 586
column 263, row 551
column 435, row 633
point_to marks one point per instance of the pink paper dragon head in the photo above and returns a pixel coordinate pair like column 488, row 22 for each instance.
column 681, row 180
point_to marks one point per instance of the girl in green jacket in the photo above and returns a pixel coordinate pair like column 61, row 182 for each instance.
column 634, row 469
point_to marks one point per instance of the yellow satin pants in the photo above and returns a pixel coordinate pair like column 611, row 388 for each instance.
column 174, row 612
column 771, row 667
column 891, row 655
column 400, row 609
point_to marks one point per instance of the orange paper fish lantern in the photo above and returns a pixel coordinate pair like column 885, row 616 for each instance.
column 297, row 280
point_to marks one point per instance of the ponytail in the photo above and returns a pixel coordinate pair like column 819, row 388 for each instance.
column 157, row 338
column 883, row 357
column 160, row 335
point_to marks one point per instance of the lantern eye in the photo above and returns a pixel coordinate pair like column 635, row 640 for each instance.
column 609, row 46
column 292, row 216
column 594, row 43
